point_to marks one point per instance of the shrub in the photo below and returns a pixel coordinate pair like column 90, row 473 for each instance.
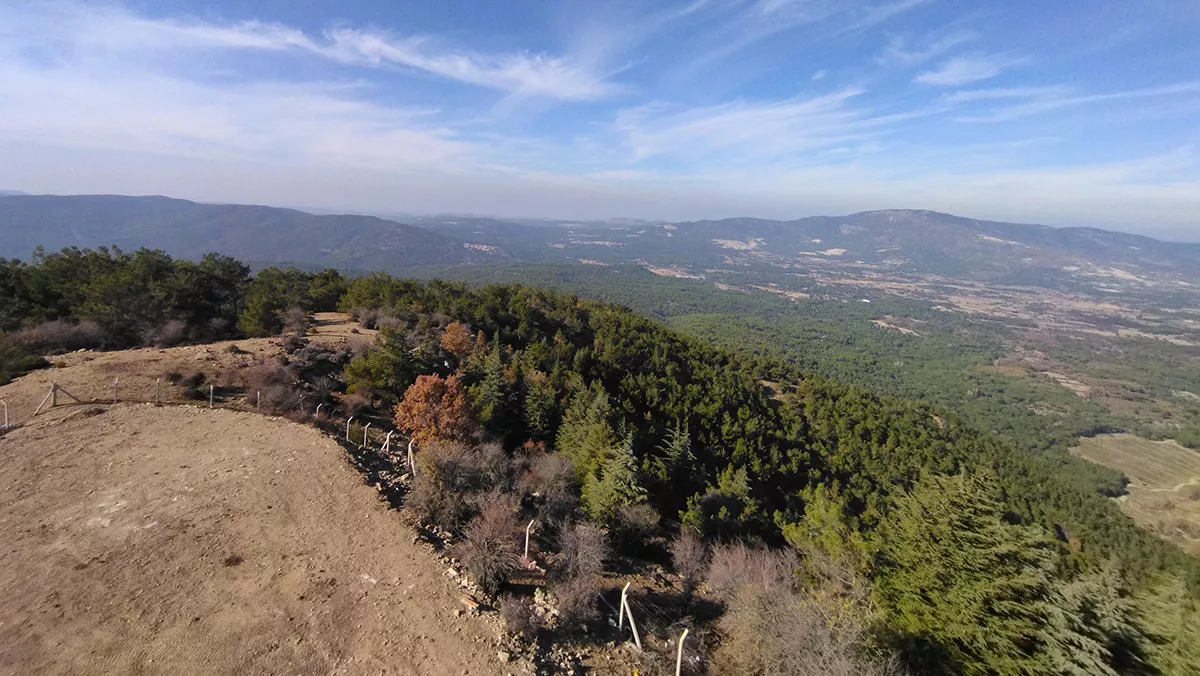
column 356, row 405
column 584, row 549
column 296, row 321
column 59, row 336
column 449, row 474
column 632, row 526
column 550, row 478
column 690, row 558
column 518, row 617
column 169, row 334
column 771, row 627
column 575, row 600
column 15, row 360
column 278, row 388
column 490, row 549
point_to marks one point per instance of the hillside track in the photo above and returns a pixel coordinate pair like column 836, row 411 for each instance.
column 179, row 539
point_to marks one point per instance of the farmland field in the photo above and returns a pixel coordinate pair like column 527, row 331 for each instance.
column 1164, row 491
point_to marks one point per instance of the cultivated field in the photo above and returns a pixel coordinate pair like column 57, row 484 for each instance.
column 1164, row 493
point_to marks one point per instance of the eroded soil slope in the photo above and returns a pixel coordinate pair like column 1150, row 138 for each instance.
column 140, row 539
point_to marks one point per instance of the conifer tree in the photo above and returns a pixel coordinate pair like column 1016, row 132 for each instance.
column 616, row 485
column 967, row 592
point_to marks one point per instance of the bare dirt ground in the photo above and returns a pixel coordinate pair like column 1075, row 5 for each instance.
column 177, row 539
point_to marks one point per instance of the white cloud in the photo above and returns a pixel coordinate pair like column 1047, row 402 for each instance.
column 1038, row 100
column 966, row 69
column 519, row 74
column 753, row 132
column 900, row 54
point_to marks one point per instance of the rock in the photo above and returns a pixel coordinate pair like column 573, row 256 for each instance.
column 504, row 657
column 458, row 612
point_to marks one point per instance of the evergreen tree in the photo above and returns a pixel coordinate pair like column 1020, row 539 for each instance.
column 586, row 435
column 966, row 592
column 616, row 485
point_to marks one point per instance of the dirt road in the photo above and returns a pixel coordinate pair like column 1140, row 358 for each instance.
column 139, row 539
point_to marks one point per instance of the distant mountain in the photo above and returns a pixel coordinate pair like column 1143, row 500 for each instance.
column 11, row 192
column 189, row 229
column 892, row 242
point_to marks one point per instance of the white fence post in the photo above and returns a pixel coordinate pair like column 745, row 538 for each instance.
column 365, row 430
column 348, row 427
column 257, row 400
column 679, row 657
column 387, row 442
column 158, row 390
column 628, row 611
column 211, row 389
column 317, row 413
column 412, row 464
column 116, row 382
column 527, row 530
column 621, row 608
column 52, row 394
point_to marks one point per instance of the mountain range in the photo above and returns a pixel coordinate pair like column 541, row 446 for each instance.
column 891, row 241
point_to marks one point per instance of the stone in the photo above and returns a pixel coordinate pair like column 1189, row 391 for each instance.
column 504, row 657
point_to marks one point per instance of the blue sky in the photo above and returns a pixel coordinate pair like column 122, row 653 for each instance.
column 1068, row 113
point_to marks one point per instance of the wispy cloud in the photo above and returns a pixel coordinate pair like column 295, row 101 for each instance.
column 1038, row 100
column 519, row 73
column 902, row 53
column 743, row 132
column 963, row 70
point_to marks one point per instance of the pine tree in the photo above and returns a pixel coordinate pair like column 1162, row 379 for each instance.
column 968, row 592
column 616, row 485
column 586, row 435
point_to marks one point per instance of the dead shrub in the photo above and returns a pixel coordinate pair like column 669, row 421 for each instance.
column 550, row 480
column 170, row 334
column 446, row 478
column 365, row 316
column 296, row 321
column 584, row 549
column 576, row 602
column 194, row 386
column 356, row 405
column 690, row 558
column 770, row 626
column 518, row 617
column 58, row 336
column 633, row 526
column 276, row 386
column 490, row 551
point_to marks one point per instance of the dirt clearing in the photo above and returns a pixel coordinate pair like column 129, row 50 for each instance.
column 1164, row 491
column 140, row 539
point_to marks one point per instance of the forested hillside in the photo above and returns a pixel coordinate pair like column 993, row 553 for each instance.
column 948, row 548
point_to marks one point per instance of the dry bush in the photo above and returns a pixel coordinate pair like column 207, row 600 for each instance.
column 690, row 558
column 737, row 565
column 296, row 321
column 550, row 478
column 170, row 334
column 194, row 386
column 584, row 549
column 365, row 316
column 61, row 336
column 576, row 601
column 356, row 405
column 277, row 386
column 490, row 551
column 633, row 526
column 386, row 322
column 518, row 617
column 772, row 627
column 447, row 477
column 294, row 343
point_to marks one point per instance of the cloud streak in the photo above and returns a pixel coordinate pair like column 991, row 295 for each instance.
column 963, row 70
column 520, row 73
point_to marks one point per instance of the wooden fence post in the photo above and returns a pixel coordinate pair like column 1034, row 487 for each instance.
column 679, row 657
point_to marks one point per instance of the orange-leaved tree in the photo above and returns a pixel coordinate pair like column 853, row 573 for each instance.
column 457, row 340
column 435, row 408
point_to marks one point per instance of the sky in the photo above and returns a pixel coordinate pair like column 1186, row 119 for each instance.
column 1066, row 113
